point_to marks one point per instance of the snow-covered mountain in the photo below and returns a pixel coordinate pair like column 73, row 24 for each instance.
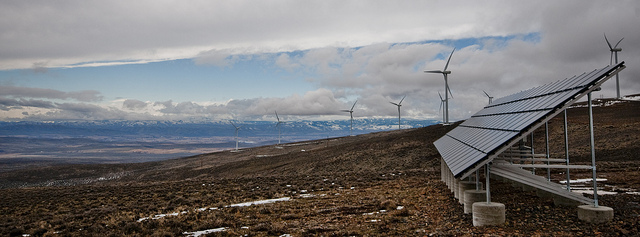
column 109, row 128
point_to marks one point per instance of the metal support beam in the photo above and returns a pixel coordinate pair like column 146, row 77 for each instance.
column 546, row 132
column 566, row 148
column 586, row 167
column 487, row 170
column 593, row 153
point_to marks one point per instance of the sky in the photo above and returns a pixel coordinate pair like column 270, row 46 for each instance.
column 308, row 60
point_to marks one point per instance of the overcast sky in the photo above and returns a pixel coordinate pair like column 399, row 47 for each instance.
column 243, row 60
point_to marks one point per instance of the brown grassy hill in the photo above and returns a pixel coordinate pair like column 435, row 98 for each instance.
column 375, row 184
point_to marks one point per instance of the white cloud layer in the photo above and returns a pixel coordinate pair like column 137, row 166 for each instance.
column 373, row 51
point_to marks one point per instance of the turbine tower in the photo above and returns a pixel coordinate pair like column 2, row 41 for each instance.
column 350, row 113
column 278, row 126
column 614, row 50
column 490, row 97
column 444, row 72
column 237, row 128
column 398, row 104
column 441, row 103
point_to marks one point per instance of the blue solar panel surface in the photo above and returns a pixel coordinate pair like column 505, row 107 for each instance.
column 507, row 118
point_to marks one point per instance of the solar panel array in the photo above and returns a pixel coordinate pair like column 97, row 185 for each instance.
column 507, row 119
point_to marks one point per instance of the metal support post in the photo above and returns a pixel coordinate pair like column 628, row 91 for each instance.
column 478, row 179
column 487, row 170
column 566, row 149
column 533, row 171
column 593, row 153
column 546, row 132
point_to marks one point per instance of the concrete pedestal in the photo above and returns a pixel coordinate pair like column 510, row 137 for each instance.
column 488, row 214
column 473, row 196
column 592, row 214
column 464, row 186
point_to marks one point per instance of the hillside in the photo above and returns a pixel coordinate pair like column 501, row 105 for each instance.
column 384, row 183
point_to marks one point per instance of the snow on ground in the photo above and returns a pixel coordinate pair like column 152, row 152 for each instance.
column 204, row 232
column 577, row 181
column 260, row 202
column 580, row 188
column 244, row 204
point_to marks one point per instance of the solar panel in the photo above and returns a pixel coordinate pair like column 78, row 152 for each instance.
column 502, row 124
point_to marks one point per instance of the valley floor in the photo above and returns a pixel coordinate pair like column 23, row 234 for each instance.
column 413, row 202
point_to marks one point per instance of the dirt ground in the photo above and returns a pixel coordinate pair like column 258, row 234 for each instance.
column 370, row 185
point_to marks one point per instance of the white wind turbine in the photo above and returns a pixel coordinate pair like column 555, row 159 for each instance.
column 278, row 126
column 614, row 50
column 398, row 104
column 444, row 72
column 441, row 103
column 350, row 113
column 490, row 97
column 237, row 128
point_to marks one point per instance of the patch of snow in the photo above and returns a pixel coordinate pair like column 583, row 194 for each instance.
column 399, row 207
column 259, row 202
column 575, row 181
column 204, row 232
column 244, row 204
column 590, row 191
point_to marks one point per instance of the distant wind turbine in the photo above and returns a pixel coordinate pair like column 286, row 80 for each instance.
column 490, row 97
column 441, row 103
column 350, row 113
column 614, row 50
column 399, row 104
column 444, row 72
column 278, row 126
column 237, row 128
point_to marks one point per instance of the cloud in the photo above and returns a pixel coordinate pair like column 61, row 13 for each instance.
column 18, row 92
column 134, row 104
column 108, row 31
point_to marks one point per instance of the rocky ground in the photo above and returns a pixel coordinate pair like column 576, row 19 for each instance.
column 375, row 184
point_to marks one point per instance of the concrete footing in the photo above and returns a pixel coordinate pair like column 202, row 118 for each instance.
column 464, row 186
column 592, row 214
column 488, row 214
column 473, row 196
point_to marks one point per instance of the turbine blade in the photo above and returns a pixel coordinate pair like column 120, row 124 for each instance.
column 440, row 95
column 447, row 65
column 450, row 91
column 393, row 103
column 346, row 110
column 402, row 99
column 354, row 105
column 605, row 38
column 277, row 116
column 441, row 103
column 486, row 93
column 433, row 71
column 618, row 43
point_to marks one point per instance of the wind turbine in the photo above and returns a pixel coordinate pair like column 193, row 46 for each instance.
column 490, row 97
column 441, row 103
column 444, row 72
column 614, row 50
column 278, row 126
column 398, row 104
column 350, row 113
column 237, row 128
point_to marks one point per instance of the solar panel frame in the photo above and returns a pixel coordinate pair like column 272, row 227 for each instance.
column 490, row 131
